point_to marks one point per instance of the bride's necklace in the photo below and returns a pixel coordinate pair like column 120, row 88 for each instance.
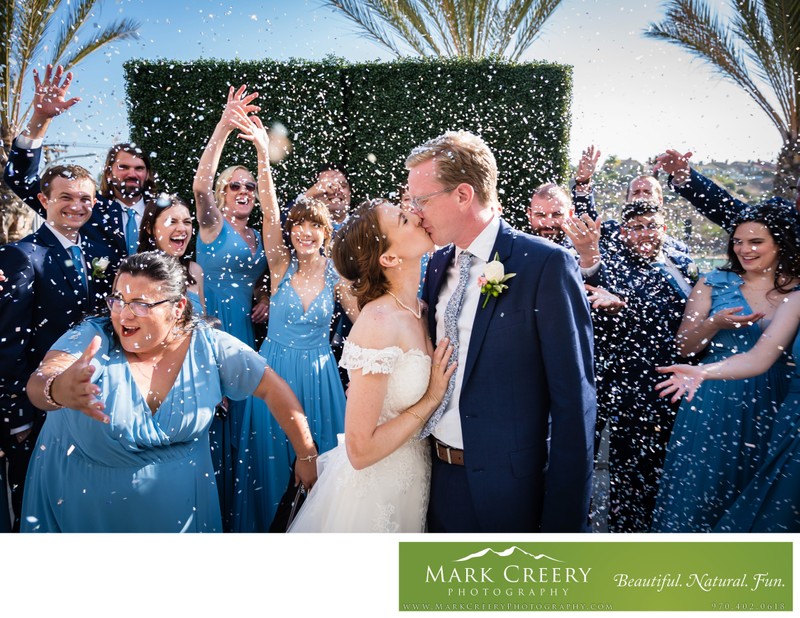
column 416, row 313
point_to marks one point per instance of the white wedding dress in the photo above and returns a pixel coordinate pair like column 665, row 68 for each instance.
column 392, row 494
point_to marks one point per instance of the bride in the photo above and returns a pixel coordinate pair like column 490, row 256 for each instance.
column 377, row 479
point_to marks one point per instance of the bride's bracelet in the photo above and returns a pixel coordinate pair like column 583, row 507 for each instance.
column 421, row 420
column 309, row 458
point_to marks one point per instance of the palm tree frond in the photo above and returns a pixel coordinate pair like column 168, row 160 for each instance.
column 692, row 25
column 122, row 30
column 364, row 15
column 465, row 28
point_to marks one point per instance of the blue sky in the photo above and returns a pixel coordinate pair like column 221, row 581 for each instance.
column 632, row 96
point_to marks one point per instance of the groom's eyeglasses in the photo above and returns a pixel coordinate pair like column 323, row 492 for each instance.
column 418, row 203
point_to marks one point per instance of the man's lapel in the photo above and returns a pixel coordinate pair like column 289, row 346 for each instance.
column 57, row 255
column 483, row 316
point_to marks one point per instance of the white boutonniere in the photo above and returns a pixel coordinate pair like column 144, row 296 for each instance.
column 99, row 266
column 493, row 280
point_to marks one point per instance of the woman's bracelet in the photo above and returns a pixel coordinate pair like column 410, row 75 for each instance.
column 48, row 391
column 309, row 458
column 421, row 420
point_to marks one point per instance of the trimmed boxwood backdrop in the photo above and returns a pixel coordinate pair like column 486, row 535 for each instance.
column 367, row 116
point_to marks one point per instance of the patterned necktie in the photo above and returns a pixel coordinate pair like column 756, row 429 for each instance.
column 132, row 232
column 451, row 314
column 77, row 262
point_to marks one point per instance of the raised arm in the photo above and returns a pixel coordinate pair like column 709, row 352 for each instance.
column 278, row 255
column 698, row 327
column 49, row 100
column 776, row 339
column 710, row 200
column 21, row 173
column 209, row 216
column 582, row 190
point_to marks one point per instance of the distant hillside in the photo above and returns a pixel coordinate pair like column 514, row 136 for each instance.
column 750, row 181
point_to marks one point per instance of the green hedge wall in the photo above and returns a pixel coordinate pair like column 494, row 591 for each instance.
column 366, row 115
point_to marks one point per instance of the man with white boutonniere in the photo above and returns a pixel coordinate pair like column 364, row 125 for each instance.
column 55, row 277
column 515, row 310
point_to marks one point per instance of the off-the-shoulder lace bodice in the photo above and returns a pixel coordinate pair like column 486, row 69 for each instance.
column 409, row 372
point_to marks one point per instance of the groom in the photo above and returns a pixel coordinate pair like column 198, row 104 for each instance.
column 513, row 443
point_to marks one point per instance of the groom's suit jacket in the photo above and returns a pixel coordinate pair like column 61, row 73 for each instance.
column 528, row 376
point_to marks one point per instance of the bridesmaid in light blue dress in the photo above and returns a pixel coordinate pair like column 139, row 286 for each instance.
column 167, row 226
column 305, row 287
column 232, row 257
column 153, row 376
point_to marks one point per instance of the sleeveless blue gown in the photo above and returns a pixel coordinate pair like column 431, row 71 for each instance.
column 722, row 437
column 143, row 472
column 230, row 270
column 771, row 501
column 298, row 348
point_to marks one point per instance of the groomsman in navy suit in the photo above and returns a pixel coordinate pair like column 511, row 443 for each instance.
column 127, row 175
column 512, row 442
column 54, row 277
column 654, row 277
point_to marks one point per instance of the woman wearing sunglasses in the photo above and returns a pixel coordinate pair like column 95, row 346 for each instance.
column 232, row 257
column 130, row 398
column 305, row 286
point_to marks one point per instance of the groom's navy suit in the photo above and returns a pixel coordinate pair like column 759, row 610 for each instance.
column 527, row 401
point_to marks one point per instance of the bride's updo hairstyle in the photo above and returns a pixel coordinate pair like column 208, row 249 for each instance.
column 356, row 251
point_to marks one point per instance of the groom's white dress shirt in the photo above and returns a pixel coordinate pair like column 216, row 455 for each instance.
column 448, row 429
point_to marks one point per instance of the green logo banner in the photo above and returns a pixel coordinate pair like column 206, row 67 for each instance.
column 596, row 576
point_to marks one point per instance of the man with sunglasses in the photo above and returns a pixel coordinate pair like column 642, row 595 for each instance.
column 55, row 277
column 127, row 180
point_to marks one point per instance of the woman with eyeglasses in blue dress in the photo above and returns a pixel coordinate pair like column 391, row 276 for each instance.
column 130, row 398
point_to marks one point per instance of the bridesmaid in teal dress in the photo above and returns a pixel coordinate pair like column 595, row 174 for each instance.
column 305, row 287
column 130, row 399
column 232, row 257
column 167, row 226
column 723, row 436
column 771, row 501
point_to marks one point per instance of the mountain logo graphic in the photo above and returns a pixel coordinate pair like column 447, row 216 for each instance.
column 505, row 553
